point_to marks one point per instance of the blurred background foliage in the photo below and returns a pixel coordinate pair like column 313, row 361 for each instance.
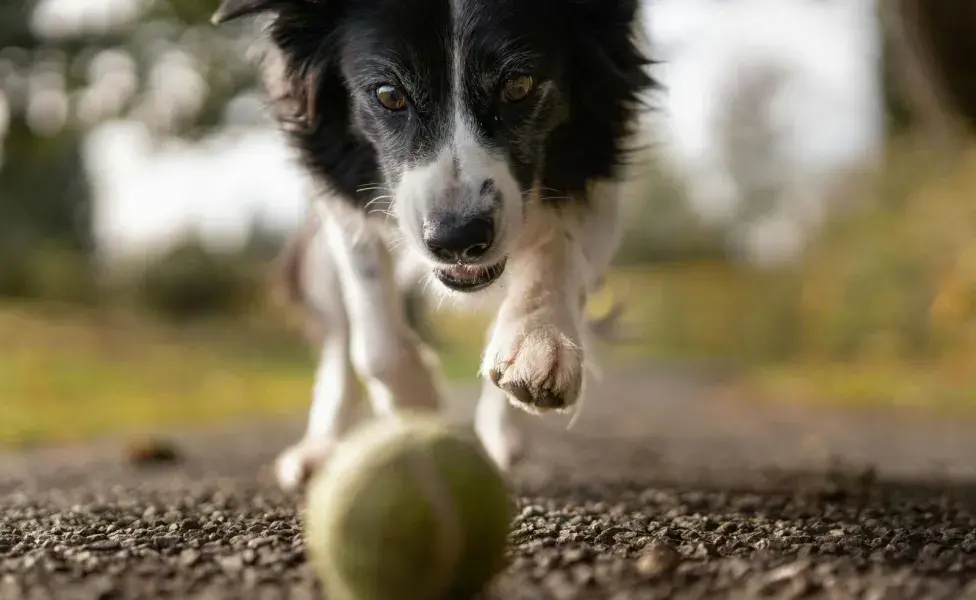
column 878, row 306
column 61, row 79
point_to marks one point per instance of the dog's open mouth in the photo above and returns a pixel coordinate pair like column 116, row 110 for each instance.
column 469, row 278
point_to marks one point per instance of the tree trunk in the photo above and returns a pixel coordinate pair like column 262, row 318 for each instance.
column 44, row 191
column 931, row 47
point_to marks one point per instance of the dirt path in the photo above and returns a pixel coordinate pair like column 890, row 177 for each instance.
column 664, row 490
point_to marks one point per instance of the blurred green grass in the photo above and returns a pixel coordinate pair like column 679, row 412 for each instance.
column 69, row 373
column 931, row 388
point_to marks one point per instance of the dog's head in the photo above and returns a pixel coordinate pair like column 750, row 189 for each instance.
column 466, row 109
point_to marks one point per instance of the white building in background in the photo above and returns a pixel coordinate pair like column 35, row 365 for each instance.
column 827, row 107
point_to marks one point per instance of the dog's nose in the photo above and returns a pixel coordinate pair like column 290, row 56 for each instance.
column 460, row 240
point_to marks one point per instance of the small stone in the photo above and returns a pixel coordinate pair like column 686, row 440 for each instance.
column 737, row 568
column 609, row 536
column 188, row 558
column 231, row 564
column 704, row 550
column 788, row 571
column 575, row 555
column 189, row 525
column 166, row 541
column 658, row 558
column 105, row 545
column 787, row 581
column 151, row 451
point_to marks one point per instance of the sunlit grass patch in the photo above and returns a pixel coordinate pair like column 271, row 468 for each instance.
column 73, row 373
column 68, row 375
column 863, row 386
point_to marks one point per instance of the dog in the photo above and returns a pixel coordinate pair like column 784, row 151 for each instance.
column 477, row 146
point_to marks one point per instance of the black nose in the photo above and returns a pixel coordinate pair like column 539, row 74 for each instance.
column 460, row 239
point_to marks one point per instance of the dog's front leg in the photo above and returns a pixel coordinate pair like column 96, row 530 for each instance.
column 337, row 394
column 398, row 371
column 494, row 426
column 535, row 354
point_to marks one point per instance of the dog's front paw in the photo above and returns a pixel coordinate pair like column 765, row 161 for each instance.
column 299, row 463
column 538, row 366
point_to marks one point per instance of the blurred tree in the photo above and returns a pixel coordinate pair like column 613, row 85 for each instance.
column 932, row 45
column 898, row 112
column 66, row 66
column 43, row 188
column 949, row 28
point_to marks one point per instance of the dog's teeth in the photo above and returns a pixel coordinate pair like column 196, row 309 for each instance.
column 465, row 272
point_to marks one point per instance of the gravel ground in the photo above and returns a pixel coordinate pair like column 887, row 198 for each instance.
column 666, row 490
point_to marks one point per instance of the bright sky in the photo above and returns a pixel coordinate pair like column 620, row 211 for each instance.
column 830, row 105
column 830, row 47
column 146, row 196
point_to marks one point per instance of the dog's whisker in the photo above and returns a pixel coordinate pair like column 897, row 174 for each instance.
column 378, row 212
column 377, row 199
column 428, row 279
column 376, row 185
column 440, row 302
column 496, row 270
column 396, row 240
column 538, row 191
column 386, row 212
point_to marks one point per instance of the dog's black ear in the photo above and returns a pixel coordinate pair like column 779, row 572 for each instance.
column 235, row 9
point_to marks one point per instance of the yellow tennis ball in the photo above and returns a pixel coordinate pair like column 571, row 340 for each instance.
column 408, row 509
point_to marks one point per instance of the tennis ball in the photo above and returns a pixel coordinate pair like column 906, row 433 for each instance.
column 407, row 508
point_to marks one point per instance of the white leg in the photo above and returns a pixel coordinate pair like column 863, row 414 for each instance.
column 399, row 373
column 337, row 393
column 494, row 427
column 536, row 353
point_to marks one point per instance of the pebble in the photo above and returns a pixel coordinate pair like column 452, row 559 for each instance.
column 659, row 558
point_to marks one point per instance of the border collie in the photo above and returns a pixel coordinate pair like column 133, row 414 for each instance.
column 478, row 144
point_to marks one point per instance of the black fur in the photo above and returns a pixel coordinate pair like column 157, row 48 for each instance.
column 338, row 51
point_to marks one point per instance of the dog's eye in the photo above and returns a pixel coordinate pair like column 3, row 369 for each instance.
column 391, row 97
column 517, row 88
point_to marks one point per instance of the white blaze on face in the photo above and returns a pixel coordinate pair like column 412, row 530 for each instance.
column 464, row 180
